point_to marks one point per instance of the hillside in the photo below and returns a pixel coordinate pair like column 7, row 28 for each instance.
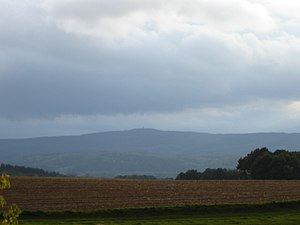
column 139, row 151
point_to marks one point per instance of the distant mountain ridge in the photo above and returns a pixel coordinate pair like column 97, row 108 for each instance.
column 139, row 151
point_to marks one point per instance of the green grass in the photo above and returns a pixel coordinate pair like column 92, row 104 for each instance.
column 284, row 213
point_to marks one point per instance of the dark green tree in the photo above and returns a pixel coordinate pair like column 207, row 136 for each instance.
column 261, row 167
column 214, row 174
column 189, row 175
column 245, row 164
column 221, row 174
column 211, row 174
column 263, row 164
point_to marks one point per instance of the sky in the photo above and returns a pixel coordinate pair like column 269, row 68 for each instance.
column 81, row 66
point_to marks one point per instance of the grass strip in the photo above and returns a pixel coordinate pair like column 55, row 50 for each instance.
column 186, row 210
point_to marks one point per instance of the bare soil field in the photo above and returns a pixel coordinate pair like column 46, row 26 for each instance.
column 33, row 193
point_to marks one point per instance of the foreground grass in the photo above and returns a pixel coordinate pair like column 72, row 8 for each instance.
column 287, row 213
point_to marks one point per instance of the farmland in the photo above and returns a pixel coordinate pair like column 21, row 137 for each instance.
column 33, row 193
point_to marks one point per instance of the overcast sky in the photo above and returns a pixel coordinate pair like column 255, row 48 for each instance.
column 79, row 66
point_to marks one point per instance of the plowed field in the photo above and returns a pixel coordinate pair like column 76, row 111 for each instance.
column 91, row 193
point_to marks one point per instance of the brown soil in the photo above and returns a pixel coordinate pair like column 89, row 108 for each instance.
column 31, row 193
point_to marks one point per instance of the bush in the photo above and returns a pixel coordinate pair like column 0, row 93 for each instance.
column 11, row 213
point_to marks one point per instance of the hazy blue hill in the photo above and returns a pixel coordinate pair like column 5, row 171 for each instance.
column 139, row 151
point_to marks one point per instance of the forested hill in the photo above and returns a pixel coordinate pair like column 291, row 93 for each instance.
column 139, row 151
column 26, row 171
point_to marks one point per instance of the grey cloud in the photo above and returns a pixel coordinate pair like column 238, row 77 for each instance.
column 48, row 73
column 67, row 75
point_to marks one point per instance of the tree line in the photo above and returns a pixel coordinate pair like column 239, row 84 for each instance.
column 258, row 164
column 26, row 171
column 136, row 177
column 211, row 174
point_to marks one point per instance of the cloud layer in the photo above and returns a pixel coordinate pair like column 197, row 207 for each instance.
column 207, row 65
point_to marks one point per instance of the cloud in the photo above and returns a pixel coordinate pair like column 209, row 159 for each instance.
column 150, row 60
column 138, row 19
